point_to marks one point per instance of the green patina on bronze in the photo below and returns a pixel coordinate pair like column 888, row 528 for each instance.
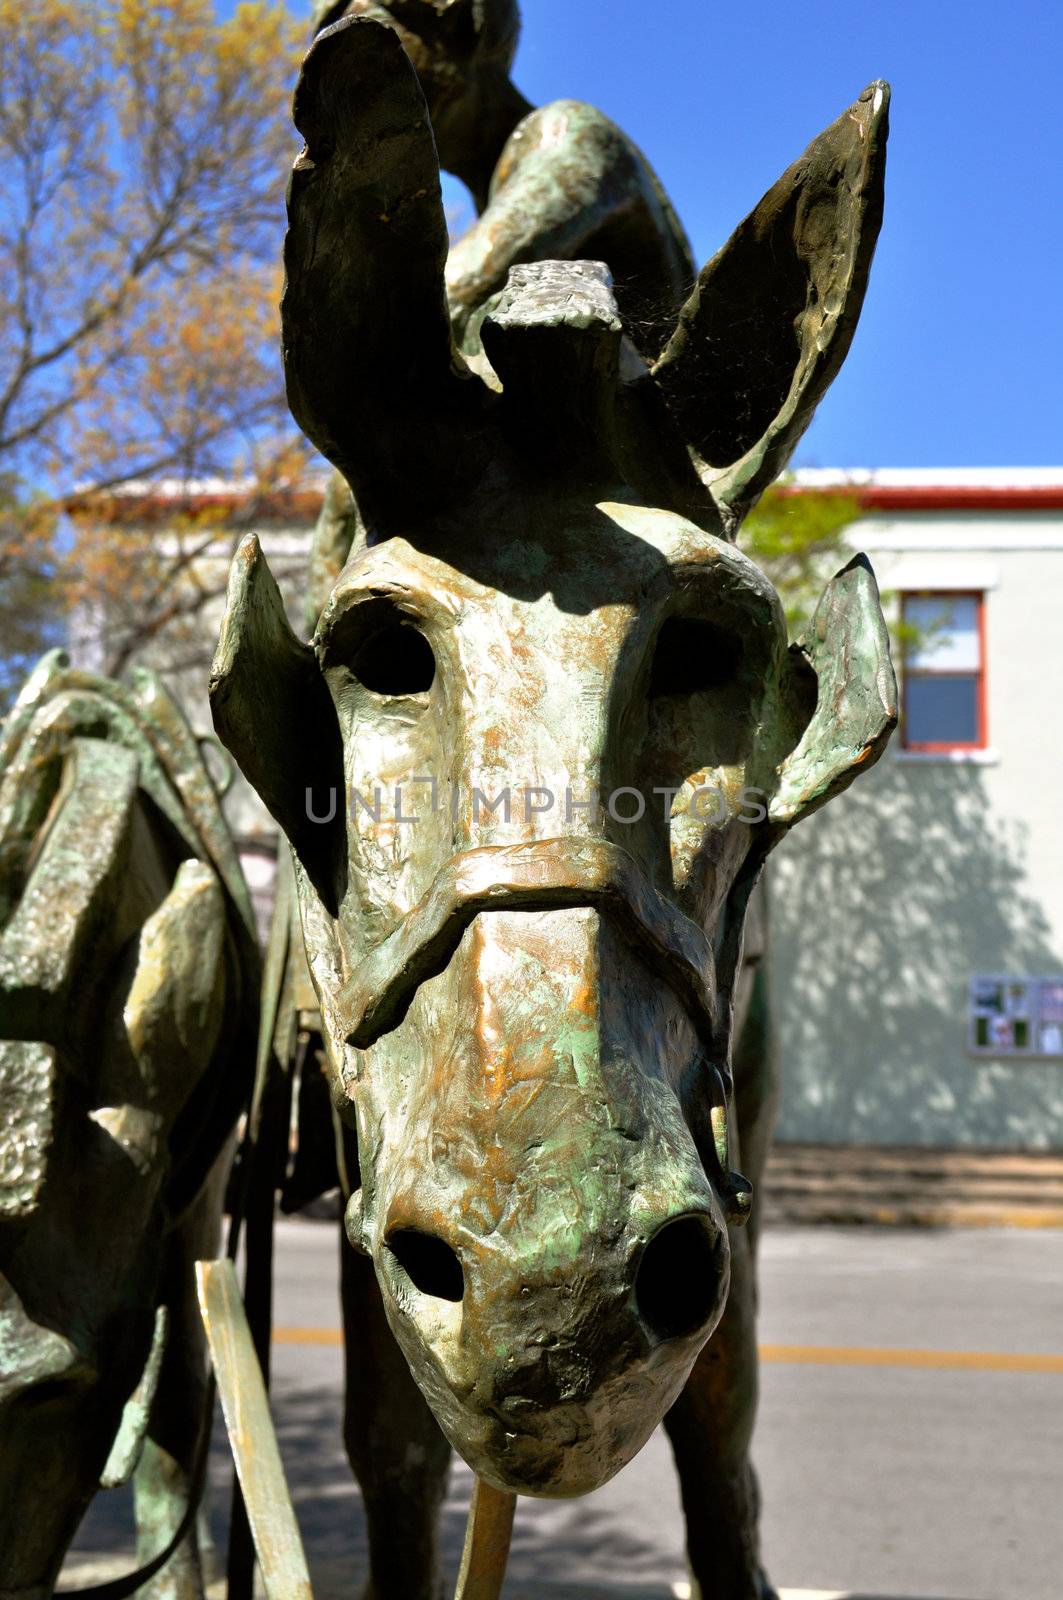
column 558, row 182
column 529, row 1016
column 128, row 997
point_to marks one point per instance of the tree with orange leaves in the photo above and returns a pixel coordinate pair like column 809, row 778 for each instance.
column 143, row 151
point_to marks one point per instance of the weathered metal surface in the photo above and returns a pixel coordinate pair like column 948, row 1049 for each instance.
column 547, row 731
column 487, row 1539
column 856, row 707
column 800, row 260
column 128, row 1443
column 250, row 1427
column 27, row 1092
column 445, row 432
column 128, row 978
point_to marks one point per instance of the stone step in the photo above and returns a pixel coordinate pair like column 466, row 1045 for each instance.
column 921, row 1191
column 900, row 1188
column 912, row 1187
column 882, row 1158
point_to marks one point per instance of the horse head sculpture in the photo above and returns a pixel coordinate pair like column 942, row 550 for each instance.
column 531, row 764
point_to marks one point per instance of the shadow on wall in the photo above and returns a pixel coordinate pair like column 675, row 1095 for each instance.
column 883, row 906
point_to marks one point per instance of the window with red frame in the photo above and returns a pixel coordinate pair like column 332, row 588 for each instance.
column 944, row 672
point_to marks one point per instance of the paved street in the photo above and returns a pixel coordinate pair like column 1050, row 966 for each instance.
column 910, row 1442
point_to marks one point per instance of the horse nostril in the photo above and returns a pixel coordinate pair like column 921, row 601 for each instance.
column 677, row 1285
column 431, row 1266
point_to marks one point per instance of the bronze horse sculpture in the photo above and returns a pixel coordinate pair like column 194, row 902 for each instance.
column 129, row 981
column 560, row 181
column 530, row 768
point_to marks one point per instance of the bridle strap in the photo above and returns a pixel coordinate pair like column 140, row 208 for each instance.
column 543, row 875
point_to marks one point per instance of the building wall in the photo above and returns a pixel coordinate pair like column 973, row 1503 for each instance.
column 931, row 869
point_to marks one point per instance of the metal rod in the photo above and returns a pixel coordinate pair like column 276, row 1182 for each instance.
column 487, row 1538
column 251, row 1434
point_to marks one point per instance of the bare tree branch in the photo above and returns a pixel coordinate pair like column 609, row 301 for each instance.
column 143, row 155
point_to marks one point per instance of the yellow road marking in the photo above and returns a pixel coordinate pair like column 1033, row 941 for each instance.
column 814, row 1355
column 827, row 1355
column 967, row 1215
column 307, row 1336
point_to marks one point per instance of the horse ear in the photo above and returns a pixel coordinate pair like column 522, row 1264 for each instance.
column 371, row 373
column 273, row 711
column 772, row 315
column 856, row 710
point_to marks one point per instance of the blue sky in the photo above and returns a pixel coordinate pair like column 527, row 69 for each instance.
column 959, row 357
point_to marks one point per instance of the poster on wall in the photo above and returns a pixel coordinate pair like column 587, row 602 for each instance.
column 1016, row 1016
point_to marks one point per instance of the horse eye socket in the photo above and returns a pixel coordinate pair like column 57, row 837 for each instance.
column 692, row 656
column 395, row 660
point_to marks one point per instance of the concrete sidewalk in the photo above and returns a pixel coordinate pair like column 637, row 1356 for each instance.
column 333, row 1581
column 909, row 1443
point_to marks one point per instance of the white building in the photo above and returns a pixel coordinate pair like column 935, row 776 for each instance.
column 917, row 922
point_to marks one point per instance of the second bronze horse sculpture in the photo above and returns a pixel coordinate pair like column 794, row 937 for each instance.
column 530, row 768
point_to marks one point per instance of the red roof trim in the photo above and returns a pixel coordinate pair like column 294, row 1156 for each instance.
column 945, row 497
column 303, row 504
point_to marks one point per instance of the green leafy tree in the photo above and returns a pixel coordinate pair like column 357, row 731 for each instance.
column 798, row 537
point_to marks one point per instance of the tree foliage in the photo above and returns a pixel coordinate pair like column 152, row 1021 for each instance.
column 798, row 538
column 27, row 584
column 143, row 155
